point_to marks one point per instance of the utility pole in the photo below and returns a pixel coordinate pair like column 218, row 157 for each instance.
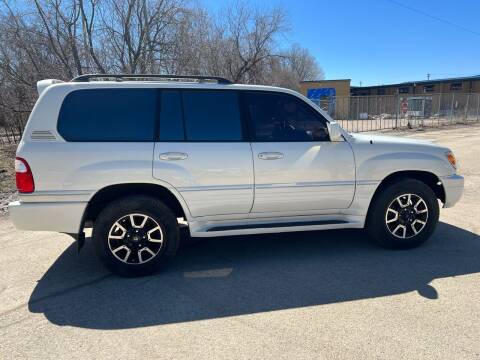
column 428, row 76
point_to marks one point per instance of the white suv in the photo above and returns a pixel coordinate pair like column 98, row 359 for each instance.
column 131, row 156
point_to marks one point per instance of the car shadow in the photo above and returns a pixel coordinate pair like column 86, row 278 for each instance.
column 221, row 277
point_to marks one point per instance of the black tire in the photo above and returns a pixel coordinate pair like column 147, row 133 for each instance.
column 158, row 214
column 376, row 223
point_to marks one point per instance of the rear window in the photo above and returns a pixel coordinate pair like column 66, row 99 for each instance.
column 200, row 115
column 108, row 115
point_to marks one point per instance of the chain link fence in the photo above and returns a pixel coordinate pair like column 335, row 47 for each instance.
column 372, row 113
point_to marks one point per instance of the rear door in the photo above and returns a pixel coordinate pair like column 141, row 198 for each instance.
column 297, row 168
column 201, row 151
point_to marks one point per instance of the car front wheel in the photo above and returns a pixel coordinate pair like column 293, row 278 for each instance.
column 404, row 215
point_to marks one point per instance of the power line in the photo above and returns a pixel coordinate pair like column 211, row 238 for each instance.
column 434, row 17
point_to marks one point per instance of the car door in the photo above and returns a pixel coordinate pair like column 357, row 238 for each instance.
column 202, row 152
column 297, row 168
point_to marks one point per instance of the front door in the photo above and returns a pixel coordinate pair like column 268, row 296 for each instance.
column 297, row 167
column 201, row 151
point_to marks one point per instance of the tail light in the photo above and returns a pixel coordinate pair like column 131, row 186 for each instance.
column 24, row 176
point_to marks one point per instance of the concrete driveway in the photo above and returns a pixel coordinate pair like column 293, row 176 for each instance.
column 311, row 295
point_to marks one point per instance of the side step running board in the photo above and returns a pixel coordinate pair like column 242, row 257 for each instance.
column 276, row 225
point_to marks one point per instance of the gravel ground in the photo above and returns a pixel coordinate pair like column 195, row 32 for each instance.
column 318, row 295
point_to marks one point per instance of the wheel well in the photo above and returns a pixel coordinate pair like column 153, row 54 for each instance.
column 113, row 192
column 431, row 180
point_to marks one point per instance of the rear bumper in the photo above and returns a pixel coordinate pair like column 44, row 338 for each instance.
column 453, row 186
column 52, row 216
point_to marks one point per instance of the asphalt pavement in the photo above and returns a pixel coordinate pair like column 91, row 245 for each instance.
column 314, row 295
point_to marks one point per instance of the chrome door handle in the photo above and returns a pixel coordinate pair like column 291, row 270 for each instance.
column 169, row 156
column 270, row 155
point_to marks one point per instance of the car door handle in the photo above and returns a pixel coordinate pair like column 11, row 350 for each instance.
column 171, row 156
column 270, row 155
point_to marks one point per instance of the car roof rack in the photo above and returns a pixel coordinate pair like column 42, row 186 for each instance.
column 140, row 77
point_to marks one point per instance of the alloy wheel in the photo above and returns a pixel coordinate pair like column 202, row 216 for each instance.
column 135, row 239
column 406, row 216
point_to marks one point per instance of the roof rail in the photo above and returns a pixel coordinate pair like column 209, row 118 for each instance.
column 121, row 77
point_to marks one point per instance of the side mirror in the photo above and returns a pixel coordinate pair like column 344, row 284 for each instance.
column 335, row 132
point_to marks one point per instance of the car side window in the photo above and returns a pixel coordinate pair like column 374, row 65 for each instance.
column 211, row 115
column 171, row 117
column 282, row 117
column 108, row 115
column 200, row 115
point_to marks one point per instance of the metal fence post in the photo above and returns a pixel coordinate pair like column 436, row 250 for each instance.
column 451, row 107
column 466, row 108
column 380, row 112
column 397, row 111
column 368, row 103
column 478, row 105
column 350, row 105
column 358, row 104
column 439, row 108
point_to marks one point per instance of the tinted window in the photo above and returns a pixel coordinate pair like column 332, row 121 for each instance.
column 108, row 115
column 171, row 120
column 283, row 117
column 211, row 115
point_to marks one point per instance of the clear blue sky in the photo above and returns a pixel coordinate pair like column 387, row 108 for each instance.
column 381, row 42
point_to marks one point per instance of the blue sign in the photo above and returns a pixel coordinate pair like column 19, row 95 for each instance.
column 317, row 94
column 329, row 93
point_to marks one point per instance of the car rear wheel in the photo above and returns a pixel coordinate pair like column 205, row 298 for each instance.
column 404, row 215
column 135, row 236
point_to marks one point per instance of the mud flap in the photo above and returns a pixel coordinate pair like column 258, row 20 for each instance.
column 79, row 238
column 80, row 241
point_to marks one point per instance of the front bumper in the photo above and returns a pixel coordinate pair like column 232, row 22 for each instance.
column 47, row 216
column 453, row 186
